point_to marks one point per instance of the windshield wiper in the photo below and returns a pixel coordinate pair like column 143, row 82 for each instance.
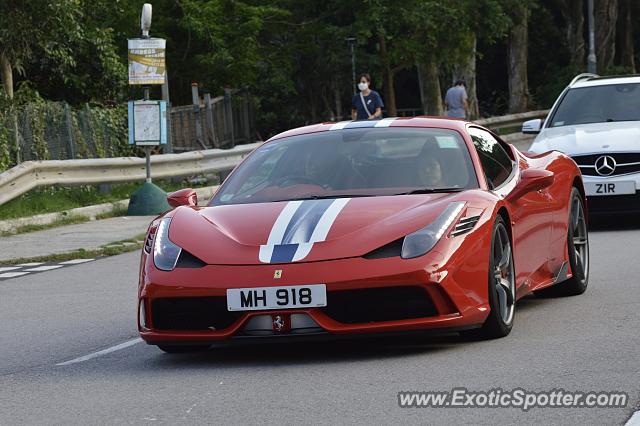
column 326, row 197
column 432, row 191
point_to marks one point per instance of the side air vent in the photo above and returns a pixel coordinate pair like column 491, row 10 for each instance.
column 187, row 260
column 392, row 249
column 464, row 225
column 148, row 242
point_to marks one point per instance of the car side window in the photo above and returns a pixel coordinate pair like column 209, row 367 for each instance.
column 497, row 164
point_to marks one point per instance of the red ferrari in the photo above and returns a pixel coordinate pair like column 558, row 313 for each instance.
column 365, row 227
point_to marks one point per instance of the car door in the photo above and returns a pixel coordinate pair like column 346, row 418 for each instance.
column 531, row 214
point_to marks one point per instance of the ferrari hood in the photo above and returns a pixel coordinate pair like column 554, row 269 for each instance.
column 301, row 231
column 590, row 138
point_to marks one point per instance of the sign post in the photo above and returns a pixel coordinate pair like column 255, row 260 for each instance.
column 147, row 118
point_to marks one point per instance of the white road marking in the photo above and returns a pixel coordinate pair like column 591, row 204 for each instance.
column 9, row 268
column 75, row 261
column 634, row 420
column 43, row 268
column 13, row 274
column 32, row 264
column 102, row 352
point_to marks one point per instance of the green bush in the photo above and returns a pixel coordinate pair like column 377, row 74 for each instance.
column 47, row 131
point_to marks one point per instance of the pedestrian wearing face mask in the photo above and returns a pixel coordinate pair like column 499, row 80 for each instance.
column 366, row 105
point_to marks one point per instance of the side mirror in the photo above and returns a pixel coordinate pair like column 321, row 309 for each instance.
column 532, row 127
column 183, row 197
column 532, row 180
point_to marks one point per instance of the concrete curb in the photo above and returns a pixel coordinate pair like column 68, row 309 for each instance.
column 11, row 225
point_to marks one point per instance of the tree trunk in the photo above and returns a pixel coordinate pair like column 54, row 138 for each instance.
column 7, row 82
column 467, row 72
column 337, row 98
column 430, row 91
column 605, row 16
column 7, row 75
column 573, row 13
column 517, row 59
column 625, row 37
column 388, row 77
column 312, row 109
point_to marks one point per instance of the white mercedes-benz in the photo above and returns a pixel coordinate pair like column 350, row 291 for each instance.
column 596, row 121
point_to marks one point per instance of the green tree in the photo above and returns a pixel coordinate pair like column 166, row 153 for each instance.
column 60, row 46
column 30, row 27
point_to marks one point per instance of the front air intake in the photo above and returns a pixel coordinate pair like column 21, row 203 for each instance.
column 381, row 304
column 192, row 313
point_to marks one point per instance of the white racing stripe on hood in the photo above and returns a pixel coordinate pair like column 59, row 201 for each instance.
column 278, row 230
column 288, row 240
column 322, row 229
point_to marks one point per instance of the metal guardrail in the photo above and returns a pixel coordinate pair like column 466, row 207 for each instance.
column 31, row 174
column 511, row 120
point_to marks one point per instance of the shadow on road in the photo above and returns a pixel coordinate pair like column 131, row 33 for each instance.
column 243, row 355
column 613, row 223
column 300, row 353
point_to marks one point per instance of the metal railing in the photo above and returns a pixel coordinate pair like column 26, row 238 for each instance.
column 510, row 121
column 32, row 174
column 509, row 126
column 220, row 122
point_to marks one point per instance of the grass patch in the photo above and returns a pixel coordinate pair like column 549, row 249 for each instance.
column 67, row 220
column 111, row 249
column 117, row 211
column 58, row 198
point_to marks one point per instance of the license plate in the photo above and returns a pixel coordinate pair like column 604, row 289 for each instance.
column 262, row 298
column 610, row 188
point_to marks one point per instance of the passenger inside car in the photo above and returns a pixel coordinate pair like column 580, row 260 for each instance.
column 430, row 172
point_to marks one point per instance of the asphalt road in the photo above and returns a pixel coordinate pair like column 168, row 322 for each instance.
column 589, row 342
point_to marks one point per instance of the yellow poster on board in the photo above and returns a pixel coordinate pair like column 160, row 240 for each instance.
column 147, row 61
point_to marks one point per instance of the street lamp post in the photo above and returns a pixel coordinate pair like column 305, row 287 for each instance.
column 352, row 44
column 591, row 59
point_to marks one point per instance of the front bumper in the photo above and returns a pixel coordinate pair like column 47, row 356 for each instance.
column 614, row 204
column 451, row 294
column 622, row 204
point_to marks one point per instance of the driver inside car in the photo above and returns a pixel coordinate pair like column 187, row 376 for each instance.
column 317, row 168
column 430, row 170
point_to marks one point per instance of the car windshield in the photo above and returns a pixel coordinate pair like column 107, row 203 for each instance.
column 598, row 104
column 352, row 163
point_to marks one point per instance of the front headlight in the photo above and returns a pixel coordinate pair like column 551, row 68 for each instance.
column 423, row 240
column 165, row 252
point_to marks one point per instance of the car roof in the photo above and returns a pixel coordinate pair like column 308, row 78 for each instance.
column 592, row 80
column 394, row 122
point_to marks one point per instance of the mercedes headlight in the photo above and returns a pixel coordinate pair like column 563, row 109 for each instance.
column 423, row 240
column 165, row 252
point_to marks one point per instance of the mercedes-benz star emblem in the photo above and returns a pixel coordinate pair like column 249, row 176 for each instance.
column 605, row 165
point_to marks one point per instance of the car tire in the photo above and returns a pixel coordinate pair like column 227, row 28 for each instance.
column 182, row 349
column 578, row 250
column 501, row 282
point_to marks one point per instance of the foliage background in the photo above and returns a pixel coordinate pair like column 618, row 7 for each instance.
column 291, row 54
